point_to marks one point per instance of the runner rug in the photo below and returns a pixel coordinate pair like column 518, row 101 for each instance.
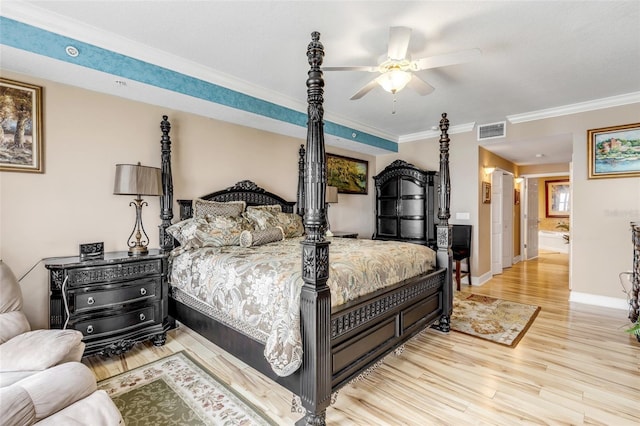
column 176, row 390
column 496, row 320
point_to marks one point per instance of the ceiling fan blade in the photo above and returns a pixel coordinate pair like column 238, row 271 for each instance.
column 366, row 89
column 367, row 69
column 420, row 86
column 446, row 59
column 398, row 42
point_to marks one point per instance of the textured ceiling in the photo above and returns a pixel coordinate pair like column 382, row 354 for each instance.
column 535, row 55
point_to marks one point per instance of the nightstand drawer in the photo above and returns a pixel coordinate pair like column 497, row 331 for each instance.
column 117, row 272
column 86, row 299
column 94, row 327
column 116, row 301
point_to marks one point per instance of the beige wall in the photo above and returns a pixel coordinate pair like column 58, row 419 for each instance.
column 542, row 169
column 602, row 208
column 601, row 211
column 87, row 133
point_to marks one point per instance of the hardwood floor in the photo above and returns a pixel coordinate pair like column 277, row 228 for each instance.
column 575, row 365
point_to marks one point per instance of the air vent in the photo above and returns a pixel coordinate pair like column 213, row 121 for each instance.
column 492, row 131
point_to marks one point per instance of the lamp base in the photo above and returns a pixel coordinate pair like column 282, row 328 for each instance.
column 138, row 251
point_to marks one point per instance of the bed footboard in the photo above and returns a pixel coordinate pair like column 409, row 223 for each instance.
column 364, row 333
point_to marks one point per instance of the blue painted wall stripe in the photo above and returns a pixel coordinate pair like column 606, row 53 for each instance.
column 32, row 39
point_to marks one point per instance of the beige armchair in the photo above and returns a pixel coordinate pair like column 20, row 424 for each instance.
column 41, row 380
column 24, row 352
column 65, row 394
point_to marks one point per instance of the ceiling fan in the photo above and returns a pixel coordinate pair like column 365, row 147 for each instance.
column 397, row 69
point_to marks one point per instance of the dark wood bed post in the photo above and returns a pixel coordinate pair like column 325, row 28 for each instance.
column 300, row 196
column 315, row 298
column 166, row 200
column 443, row 228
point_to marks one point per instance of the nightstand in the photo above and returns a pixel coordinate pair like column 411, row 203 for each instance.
column 343, row 234
column 116, row 301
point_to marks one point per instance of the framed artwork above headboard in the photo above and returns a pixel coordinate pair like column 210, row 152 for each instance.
column 349, row 175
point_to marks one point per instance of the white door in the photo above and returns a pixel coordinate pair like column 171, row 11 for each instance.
column 507, row 220
column 531, row 218
column 496, row 222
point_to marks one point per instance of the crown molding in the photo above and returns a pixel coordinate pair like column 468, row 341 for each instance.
column 347, row 130
column 460, row 128
column 76, row 30
column 613, row 101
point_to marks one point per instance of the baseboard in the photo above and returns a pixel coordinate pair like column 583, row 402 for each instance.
column 594, row 299
column 482, row 279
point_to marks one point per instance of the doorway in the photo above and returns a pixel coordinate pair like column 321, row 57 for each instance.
column 544, row 233
column 502, row 200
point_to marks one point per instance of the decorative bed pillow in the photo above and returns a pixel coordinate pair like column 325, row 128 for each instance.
column 185, row 230
column 261, row 219
column 217, row 231
column 268, row 207
column 260, row 237
column 222, row 231
column 291, row 224
column 202, row 208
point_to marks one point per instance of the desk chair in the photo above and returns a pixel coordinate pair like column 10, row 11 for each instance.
column 461, row 247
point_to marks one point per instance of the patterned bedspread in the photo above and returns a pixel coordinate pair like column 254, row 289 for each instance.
column 257, row 290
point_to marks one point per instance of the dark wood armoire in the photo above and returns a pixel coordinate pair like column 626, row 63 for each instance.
column 406, row 204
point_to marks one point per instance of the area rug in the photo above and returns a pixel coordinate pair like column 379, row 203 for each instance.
column 176, row 390
column 496, row 320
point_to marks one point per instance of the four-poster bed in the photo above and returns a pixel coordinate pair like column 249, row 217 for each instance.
column 338, row 341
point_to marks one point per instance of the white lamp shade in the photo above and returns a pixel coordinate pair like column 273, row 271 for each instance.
column 132, row 179
column 393, row 81
column 331, row 195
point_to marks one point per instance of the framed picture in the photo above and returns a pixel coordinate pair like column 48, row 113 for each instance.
column 349, row 175
column 486, row 192
column 557, row 200
column 614, row 151
column 20, row 127
column 516, row 197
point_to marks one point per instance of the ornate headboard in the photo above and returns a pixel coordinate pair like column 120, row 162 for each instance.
column 246, row 191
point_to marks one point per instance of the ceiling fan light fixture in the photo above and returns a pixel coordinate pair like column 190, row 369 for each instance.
column 393, row 81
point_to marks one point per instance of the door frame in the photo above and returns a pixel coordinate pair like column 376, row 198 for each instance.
column 543, row 175
column 501, row 200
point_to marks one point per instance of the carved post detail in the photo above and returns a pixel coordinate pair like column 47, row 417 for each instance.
column 443, row 229
column 166, row 200
column 634, row 299
column 315, row 298
column 300, row 199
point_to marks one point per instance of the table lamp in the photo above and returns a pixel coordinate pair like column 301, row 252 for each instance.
column 138, row 180
column 331, row 197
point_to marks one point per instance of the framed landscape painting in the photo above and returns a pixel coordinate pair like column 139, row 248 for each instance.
column 349, row 175
column 614, row 151
column 20, row 127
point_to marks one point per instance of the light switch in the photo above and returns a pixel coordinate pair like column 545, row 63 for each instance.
column 463, row 216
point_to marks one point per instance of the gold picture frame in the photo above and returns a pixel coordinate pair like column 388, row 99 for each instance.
column 614, row 152
column 486, row 193
column 21, row 140
column 558, row 198
column 349, row 175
